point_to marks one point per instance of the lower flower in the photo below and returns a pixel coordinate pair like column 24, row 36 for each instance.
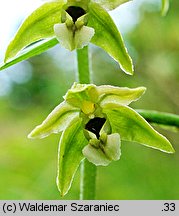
column 94, row 120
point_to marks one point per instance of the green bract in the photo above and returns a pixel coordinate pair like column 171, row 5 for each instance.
column 74, row 23
column 165, row 7
column 93, row 121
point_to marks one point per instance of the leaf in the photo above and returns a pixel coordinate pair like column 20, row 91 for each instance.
column 31, row 51
column 102, row 153
column 111, row 4
column 108, row 37
column 165, row 7
column 70, row 154
column 132, row 127
column 37, row 26
column 58, row 120
column 121, row 95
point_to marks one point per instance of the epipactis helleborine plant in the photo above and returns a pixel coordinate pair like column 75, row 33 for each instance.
column 93, row 121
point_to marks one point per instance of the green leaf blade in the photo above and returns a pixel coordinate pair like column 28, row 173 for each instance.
column 37, row 26
column 30, row 51
column 108, row 37
column 132, row 127
column 70, row 154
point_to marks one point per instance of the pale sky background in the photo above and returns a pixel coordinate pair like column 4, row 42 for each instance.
column 12, row 12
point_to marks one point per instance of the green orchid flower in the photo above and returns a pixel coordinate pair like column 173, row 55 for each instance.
column 73, row 23
column 93, row 121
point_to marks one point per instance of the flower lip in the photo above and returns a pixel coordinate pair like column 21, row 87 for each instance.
column 94, row 125
column 75, row 12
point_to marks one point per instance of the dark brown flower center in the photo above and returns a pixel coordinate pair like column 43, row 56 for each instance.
column 75, row 12
column 94, row 125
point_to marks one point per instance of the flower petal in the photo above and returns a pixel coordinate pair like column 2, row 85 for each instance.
column 111, row 4
column 83, row 36
column 70, row 154
column 120, row 95
column 73, row 40
column 37, row 26
column 95, row 155
column 112, row 146
column 132, row 127
column 58, row 120
column 30, row 51
column 64, row 36
column 108, row 37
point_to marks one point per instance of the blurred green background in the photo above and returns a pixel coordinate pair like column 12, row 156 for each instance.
column 28, row 167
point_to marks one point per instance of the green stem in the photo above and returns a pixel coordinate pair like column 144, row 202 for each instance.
column 88, row 170
column 160, row 117
column 88, row 181
column 83, row 66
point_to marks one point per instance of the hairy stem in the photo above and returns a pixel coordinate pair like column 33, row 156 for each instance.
column 88, row 170
column 162, row 118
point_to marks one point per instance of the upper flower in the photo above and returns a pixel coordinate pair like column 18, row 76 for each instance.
column 74, row 23
column 94, row 119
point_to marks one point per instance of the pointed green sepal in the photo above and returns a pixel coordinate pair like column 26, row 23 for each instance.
column 132, row 127
column 37, row 26
column 57, row 121
column 111, row 4
column 120, row 95
column 108, row 37
column 70, row 154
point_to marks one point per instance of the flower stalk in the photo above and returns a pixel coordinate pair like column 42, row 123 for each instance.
column 88, row 170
